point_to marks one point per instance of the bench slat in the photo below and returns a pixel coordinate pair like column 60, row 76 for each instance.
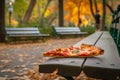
column 90, row 39
column 29, row 35
column 22, row 32
column 68, row 31
column 69, row 28
column 63, row 33
column 21, row 29
column 106, row 66
column 65, row 66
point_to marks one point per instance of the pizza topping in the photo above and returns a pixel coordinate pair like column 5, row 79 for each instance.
column 84, row 50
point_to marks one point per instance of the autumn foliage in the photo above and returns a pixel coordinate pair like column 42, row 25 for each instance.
column 71, row 9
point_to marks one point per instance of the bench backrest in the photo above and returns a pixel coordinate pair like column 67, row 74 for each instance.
column 66, row 29
column 115, row 29
column 21, row 31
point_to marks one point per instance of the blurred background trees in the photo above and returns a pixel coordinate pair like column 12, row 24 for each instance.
column 44, row 13
column 48, row 12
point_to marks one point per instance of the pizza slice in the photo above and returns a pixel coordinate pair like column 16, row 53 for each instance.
column 85, row 50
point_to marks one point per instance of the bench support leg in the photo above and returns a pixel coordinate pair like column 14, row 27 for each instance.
column 68, row 77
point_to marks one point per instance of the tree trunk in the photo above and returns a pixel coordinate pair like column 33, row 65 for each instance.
column 2, row 21
column 38, row 9
column 96, row 8
column 61, row 13
column 104, row 16
column 91, row 8
column 42, row 15
column 51, row 20
column 29, row 11
column 79, row 20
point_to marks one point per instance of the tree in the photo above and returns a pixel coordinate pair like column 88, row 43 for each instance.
column 61, row 13
column 2, row 21
column 20, row 6
column 91, row 7
column 73, row 14
column 29, row 11
column 52, row 17
column 78, row 4
column 110, row 8
column 104, row 15
column 104, row 4
column 96, row 7
column 43, row 12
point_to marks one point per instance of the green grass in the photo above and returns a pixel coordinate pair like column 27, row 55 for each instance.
column 46, row 29
column 88, row 29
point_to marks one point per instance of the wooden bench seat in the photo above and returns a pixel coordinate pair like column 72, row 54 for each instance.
column 24, row 32
column 60, row 31
column 106, row 66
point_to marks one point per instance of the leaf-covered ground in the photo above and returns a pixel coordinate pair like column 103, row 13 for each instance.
column 20, row 61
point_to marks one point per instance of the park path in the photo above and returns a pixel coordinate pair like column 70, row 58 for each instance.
column 20, row 61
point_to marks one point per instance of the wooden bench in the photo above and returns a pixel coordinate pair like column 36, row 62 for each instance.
column 60, row 31
column 23, row 32
column 106, row 66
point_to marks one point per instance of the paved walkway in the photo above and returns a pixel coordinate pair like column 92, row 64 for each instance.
column 22, row 59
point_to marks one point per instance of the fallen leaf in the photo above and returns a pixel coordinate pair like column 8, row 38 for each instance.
column 7, row 70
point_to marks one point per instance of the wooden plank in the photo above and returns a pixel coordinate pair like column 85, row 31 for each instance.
column 106, row 66
column 74, row 28
column 90, row 39
column 29, row 35
column 65, row 66
column 21, row 29
column 68, row 33
column 22, row 32
column 61, row 31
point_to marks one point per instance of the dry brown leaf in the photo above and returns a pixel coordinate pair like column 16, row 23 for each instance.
column 3, row 65
column 50, row 76
column 22, row 73
column 36, row 63
column 21, row 59
column 17, row 66
column 25, row 69
column 5, row 61
column 7, row 70
column 23, row 66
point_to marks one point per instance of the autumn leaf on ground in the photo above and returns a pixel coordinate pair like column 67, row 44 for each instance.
column 8, row 70
column 21, row 66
